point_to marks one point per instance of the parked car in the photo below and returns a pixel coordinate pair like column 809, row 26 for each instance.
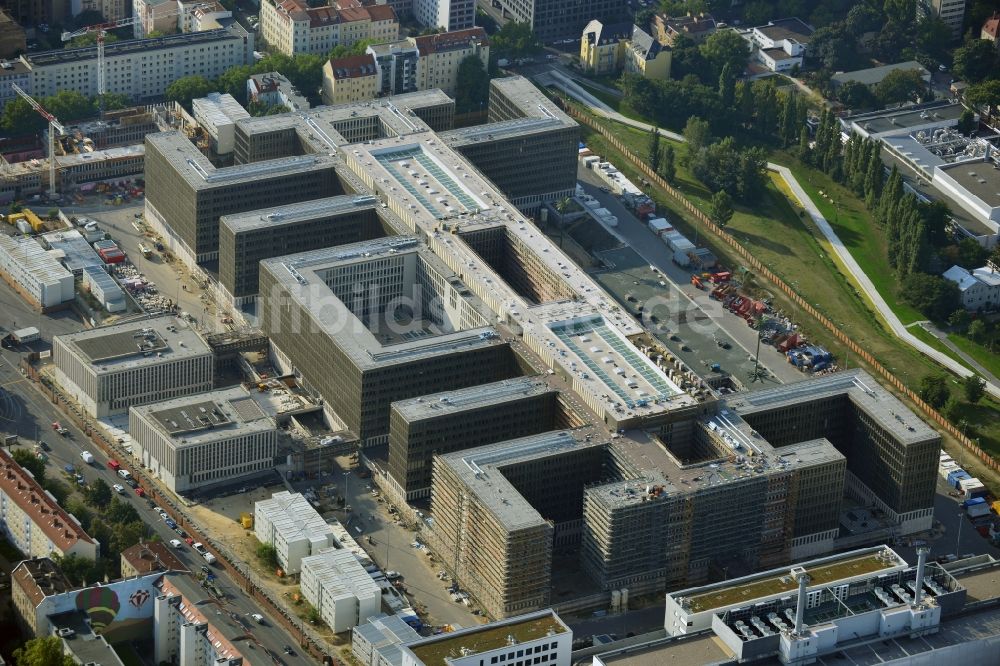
column 119, row 488
column 114, row 464
column 257, row 617
column 139, row 491
column 176, row 543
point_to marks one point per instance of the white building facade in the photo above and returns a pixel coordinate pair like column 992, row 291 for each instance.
column 980, row 287
column 34, row 272
column 289, row 523
column 339, row 588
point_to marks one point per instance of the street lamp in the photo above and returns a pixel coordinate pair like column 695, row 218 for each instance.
column 347, row 478
column 958, row 537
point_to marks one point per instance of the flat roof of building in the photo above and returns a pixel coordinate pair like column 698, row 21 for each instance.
column 305, row 211
column 474, row 397
column 874, row 75
column 906, row 117
column 41, row 264
column 530, row 101
column 207, row 417
column 436, row 650
column 503, row 130
column 133, row 46
column 201, row 174
column 298, row 274
column 981, row 585
column 787, row 28
column 697, row 650
column 136, row 343
column 480, row 470
column 219, row 109
column 864, row 392
column 86, row 646
column 341, row 574
column 822, row 572
column 77, row 252
column 981, row 179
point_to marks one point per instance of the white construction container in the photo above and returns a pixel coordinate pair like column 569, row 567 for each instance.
column 659, row 225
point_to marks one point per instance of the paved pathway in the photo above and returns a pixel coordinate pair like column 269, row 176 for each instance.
column 868, row 287
column 973, row 363
column 567, row 85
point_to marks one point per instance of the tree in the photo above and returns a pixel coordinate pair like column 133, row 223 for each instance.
column 83, row 514
column 89, row 39
column 67, row 105
column 726, row 47
column 126, row 535
column 934, row 390
column 932, row 295
column 187, row 88
column 721, row 209
column 967, row 122
column 268, row 555
column 18, row 118
column 977, row 331
column 120, row 511
column 973, row 388
column 832, row 48
column 668, row 168
column 46, row 651
column 472, row 85
column 960, row 320
column 113, row 101
column 855, row 95
column 653, row 152
column 900, row 85
column 934, row 37
column 98, row 494
column 861, row 19
column 986, row 93
column 975, row 61
column 79, row 570
column 515, row 40
column 727, row 86
column 697, row 134
column 28, row 461
column 971, row 254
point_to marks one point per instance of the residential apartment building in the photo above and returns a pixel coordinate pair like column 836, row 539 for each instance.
column 274, row 89
column 607, row 50
column 339, row 588
column 980, row 287
column 141, row 69
column 207, row 439
column 420, row 428
column 13, row 71
column 37, row 12
column 397, row 64
column 449, row 15
column 991, row 28
column 149, row 557
column 951, row 13
column 289, row 523
column 33, row 522
column 427, row 61
column 162, row 16
column 187, row 631
column 293, row 27
column 350, row 79
column 443, row 53
column 111, row 368
column 695, row 27
column 555, row 19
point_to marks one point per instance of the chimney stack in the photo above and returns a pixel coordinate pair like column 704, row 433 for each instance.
column 800, row 606
column 918, row 592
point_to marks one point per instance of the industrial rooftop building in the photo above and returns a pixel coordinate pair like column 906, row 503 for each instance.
column 289, row 523
column 339, row 588
column 34, row 273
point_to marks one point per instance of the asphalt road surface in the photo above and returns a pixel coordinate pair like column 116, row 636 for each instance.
column 23, row 408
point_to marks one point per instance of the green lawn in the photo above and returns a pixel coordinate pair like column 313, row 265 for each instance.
column 983, row 356
column 925, row 337
column 854, row 225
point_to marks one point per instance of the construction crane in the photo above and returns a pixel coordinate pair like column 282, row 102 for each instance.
column 54, row 126
column 102, row 30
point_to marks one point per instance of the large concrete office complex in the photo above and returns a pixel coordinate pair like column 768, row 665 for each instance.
column 245, row 239
column 758, row 479
column 374, row 322
column 141, row 69
column 420, row 428
column 205, row 439
column 111, row 368
column 527, row 150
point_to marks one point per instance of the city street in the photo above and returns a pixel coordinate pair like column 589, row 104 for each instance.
column 26, row 409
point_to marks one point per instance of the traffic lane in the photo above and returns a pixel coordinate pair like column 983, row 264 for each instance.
column 67, row 450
